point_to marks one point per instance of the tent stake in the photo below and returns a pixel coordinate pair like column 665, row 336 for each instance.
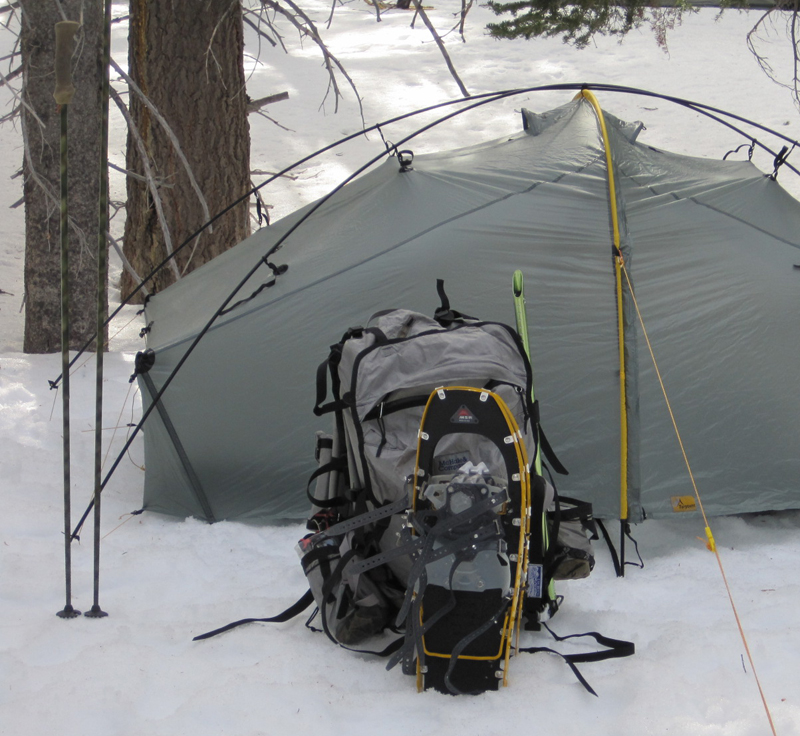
column 65, row 30
column 102, row 280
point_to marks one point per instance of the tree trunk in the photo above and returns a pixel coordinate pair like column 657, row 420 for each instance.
column 188, row 61
column 41, row 168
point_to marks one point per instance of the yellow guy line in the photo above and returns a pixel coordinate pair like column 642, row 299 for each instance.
column 612, row 204
column 711, row 544
column 620, row 268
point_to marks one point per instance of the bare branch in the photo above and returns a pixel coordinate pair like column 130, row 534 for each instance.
column 306, row 27
column 793, row 34
column 172, row 137
column 51, row 197
column 11, row 115
column 151, row 183
column 377, row 5
column 260, row 172
column 330, row 17
column 422, row 14
column 264, row 17
column 273, row 121
column 126, row 264
column 257, row 28
column 256, row 105
column 210, row 51
column 5, row 79
column 465, row 8
column 61, row 10
column 131, row 174
column 20, row 100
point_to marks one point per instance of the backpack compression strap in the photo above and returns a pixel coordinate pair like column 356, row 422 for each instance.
column 305, row 601
column 615, row 648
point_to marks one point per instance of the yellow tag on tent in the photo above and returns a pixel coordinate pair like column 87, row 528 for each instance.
column 681, row 504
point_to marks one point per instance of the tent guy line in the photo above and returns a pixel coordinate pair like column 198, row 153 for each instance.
column 711, row 543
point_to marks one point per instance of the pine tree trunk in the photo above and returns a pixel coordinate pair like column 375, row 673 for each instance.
column 41, row 169
column 188, row 61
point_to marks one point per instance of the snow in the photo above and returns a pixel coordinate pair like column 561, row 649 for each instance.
column 164, row 580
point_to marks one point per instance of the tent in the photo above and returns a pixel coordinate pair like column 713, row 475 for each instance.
column 709, row 247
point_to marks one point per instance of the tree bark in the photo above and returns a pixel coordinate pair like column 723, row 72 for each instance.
column 186, row 56
column 41, row 168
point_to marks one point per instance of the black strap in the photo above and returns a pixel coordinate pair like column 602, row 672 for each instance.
column 611, row 549
column 615, row 649
column 381, row 512
column 578, row 510
column 327, row 590
column 444, row 315
column 305, row 601
column 389, row 407
column 550, row 454
column 575, row 670
column 464, row 643
column 338, row 463
column 414, row 544
column 322, row 388
column 627, row 532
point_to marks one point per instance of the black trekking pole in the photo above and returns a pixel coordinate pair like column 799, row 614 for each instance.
column 102, row 281
column 65, row 31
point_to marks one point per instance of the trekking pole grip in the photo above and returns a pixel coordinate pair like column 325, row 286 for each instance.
column 65, row 32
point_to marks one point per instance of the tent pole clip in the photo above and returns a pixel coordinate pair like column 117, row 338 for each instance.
column 405, row 158
column 780, row 160
column 143, row 362
column 277, row 270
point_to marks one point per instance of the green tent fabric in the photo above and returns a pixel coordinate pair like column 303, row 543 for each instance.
column 710, row 247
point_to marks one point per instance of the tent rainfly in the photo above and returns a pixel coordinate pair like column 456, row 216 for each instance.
column 710, row 247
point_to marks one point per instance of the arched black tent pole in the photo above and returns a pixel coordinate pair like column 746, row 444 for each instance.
column 261, row 262
column 705, row 110
column 482, row 99
column 249, row 193
column 708, row 111
column 700, row 107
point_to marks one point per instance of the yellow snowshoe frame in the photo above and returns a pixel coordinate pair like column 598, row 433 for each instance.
column 518, row 473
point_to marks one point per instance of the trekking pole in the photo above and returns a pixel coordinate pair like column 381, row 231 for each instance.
column 102, row 281
column 65, row 31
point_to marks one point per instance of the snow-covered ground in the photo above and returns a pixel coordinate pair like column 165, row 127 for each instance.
column 165, row 580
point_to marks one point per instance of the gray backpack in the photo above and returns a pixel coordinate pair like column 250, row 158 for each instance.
column 424, row 537
column 427, row 521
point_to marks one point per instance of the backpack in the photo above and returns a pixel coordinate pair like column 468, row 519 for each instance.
column 428, row 518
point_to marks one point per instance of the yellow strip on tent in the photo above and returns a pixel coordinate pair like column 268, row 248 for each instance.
column 612, row 204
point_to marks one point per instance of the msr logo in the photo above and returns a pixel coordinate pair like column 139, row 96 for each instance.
column 683, row 503
column 463, row 416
